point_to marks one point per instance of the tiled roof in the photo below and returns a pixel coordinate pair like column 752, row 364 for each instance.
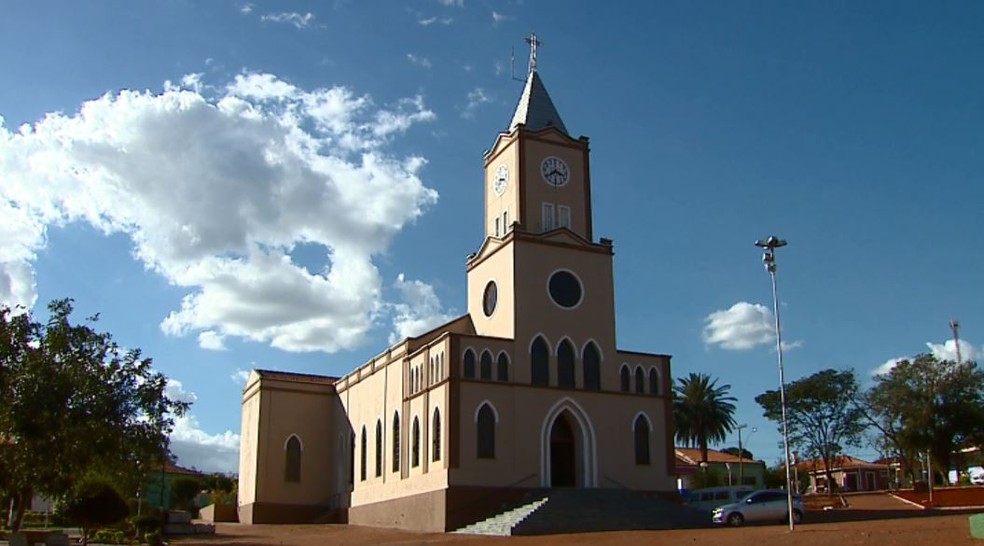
column 535, row 109
column 297, row 377
column 839, row 462
column 692, row 456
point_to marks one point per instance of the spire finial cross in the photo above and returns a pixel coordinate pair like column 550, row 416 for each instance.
column 533, row 44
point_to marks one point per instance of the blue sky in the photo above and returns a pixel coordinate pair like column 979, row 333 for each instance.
column 238, row 184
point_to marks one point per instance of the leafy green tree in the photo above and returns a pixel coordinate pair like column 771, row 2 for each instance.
column 928, row 404
column 702, row 411
column 184, row 491
column 744, row 453
column 74, row 404
column 820, row 413
column 94, row 503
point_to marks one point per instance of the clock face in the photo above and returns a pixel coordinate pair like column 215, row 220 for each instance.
column 501, row 180
column 555, row 171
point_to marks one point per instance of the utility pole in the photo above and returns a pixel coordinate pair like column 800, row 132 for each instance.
column 955, row 326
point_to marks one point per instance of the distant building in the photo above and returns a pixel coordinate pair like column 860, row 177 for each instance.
column 150, row 494
column 731, row 469
column 528, row 390
column 848, row 473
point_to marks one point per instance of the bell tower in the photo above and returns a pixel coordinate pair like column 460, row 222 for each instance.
column 539, row 271
column 536, row 174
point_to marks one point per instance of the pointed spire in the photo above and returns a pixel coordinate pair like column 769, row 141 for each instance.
column 535, row 109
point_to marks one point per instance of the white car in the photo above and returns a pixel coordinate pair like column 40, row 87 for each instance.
column 762, row 505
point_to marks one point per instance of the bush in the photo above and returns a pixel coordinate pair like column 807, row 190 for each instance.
column 109, row 536
column 145, row 523
column 154, row 538
column 184, row 490
column 94, row 503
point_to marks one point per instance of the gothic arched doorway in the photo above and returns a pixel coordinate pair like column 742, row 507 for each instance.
column 563, row 453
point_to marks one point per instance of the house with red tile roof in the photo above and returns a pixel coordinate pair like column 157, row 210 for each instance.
column 732, row 469
column 848, row 474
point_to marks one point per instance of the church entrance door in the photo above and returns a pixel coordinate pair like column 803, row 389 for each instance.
column 563, row 453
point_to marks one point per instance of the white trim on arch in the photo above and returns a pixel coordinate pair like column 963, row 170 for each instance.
column 644, row 416
column 529, row 349
column 589, row 447
column 601, row 354
column 573, row 346
column 299, row 441
column 503, row 353
column 659, row 380
column 478, row 408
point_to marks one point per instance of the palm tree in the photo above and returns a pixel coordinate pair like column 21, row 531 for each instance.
column 702, row 411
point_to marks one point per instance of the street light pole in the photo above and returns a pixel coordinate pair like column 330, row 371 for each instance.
column 769, row 258
column 741, row 457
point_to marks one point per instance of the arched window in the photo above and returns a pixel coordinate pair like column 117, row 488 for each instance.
column 653, row 381
column 502, row 368
column 592, row 367
column 415, row 457
column 639, row 381
column 396, row 441
column 624, row 377
column 469, row 362
column 540, row 362
column 365, row 456
column 379, row 448
column 641, row 430
column 292, row 472
column 565, row 364
column 436, row 437
column 486, row 433
column 485, row 366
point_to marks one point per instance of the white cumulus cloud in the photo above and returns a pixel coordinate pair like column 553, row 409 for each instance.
column 297, row 19
column 213, row 341
column 215, row 191
column 942, row 351
column 175, row 391
column 476, row 98
column 195, row 448
column 742, row 326
column 419, row 61
column 419, row 311
column 499, row 17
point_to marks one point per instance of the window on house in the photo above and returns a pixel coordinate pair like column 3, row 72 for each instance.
column 469, row 364
column 292, row 450
column 592, row 367
column 641, row 429
column 563, row 216
column 365, row 456
column 497, row 227
column 485, row 366
column 540, row 362
column 653, row 381
column 502, row 367
column 486, row 433
column 624, row 377
column 548, row 216
column 565, row 364
column 640, row 386
column 415, row 458
column 379, row 448
column 505, row 222
column 396, row 442
column 436, row 437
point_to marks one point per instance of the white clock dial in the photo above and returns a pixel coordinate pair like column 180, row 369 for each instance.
column 554, row 170
column 501, row 180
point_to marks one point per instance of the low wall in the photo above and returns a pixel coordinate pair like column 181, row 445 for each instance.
column 224, row 513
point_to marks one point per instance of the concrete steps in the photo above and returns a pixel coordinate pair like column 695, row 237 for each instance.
column 584, row 510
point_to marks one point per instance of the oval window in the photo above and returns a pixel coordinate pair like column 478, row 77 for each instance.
column 490, row 298
column 565, row 289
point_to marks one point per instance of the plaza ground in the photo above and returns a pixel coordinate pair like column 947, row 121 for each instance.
column 874, row 519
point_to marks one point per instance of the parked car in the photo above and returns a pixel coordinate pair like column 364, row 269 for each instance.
column 711, row 497
column 762, row 505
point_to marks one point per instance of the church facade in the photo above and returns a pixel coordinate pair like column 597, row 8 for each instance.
column 526, row 391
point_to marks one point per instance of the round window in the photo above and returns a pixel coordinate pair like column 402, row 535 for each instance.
column 489, row 298
column 565, row 289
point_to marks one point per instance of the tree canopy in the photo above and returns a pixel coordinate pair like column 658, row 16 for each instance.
column 74, row 404
column 820, row 413
column 927, row 404
column 702, row 411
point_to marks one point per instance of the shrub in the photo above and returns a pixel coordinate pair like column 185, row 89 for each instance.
column 184, row 490
column 94, row 503
column 145, row 523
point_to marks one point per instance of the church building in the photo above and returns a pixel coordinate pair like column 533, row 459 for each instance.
column 525, row 392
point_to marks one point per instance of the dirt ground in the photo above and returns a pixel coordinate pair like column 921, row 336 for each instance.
column 871, row 519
